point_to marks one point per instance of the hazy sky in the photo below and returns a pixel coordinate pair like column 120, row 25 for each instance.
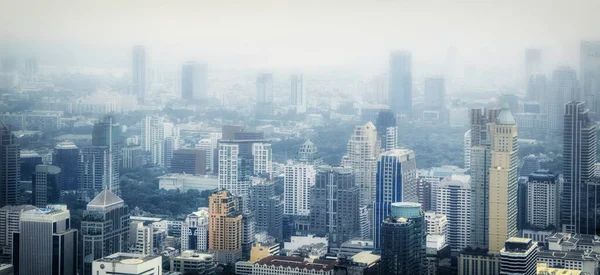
column 295, row 32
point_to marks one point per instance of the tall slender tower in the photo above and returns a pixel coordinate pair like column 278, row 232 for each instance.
column 590, row 74
column 533, row 63
column 225, row 227
column 564, row 88
column 362, row 156
column 138, row 72
column 400, row 83
column 579, row 159
column 298, row 93
column 396, row 182
column 503, row 180
column 10, row 166
column 99, row 165
column 194, row 81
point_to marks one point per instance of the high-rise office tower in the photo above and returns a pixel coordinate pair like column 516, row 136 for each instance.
column 564, row 88
column 362, row 155
column 154, row 130
column 298, row 93
column 31, row 69
column 537, row 90
column 10, row 167
column 189, row 161
column 194, row 81
column 533, row 63
column 467, row 149
column 453, row 199
column 138, row 72
column 206, row 145
column 104, row 228
column 579, row 158
column 298, row 180
column 334, row 204
column 264, row 95
column 10, row 219
column 66, row 156
column 194, row 231
column 29, row 160
column 435, row 95
column 403, row 242
column 387, row 130
column 46, row 243
column 172, row 144
column 99, row 165
column 543, row 195
column 590, row 74
column 241, row 159
column 308, row 153
column 400, row 83
column 46, row 185
column 503, row 180
column 396, row 182
column 224, row 227
column 268, row 208
column 519, row 256
column 480, row 174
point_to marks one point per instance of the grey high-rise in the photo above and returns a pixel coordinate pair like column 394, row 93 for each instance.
column 268, row 208
column 138, row 72
column 10, row 166
column 66, row 156
column 46, row 243
column 104, row 228
column 403, row 242
column 334, row 204
column 400, row 83
column 194, row 81
column 564, row 88
column 10, row 219
column 590, row 74
column 533, row 62
column 579, row 159
column 46, row 185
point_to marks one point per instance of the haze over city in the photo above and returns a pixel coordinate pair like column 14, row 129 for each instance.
column 358, row 137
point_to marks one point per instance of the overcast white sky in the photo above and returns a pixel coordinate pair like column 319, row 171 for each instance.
column 295, row 32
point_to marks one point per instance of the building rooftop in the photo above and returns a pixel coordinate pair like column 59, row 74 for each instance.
column 126, row 258
column 366, row 257
column 22, row 207
column 66, row 145
column 106, row 200
column 194, row 255
column 29, row 154
column 576, row 255
column 543, row 268
column 298, row 262
column 505, row 117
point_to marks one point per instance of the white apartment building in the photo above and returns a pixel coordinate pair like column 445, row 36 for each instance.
column 453, row 199
column 298, row 179
column 194, row 231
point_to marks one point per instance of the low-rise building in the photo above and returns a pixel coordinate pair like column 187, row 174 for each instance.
column 291, row 265
column 185, row 182
column 126, row 263
column 193, row 262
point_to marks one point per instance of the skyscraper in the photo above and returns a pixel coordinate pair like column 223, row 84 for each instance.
column 503, row 180
column 268, row 208
column 543, row 195
column 224, row 227
column 396, row 182
column 537, row 90
column 104, row 228
column 362, row 155
column 435, row 95
column 579, row 158
column 138, row 72
column 334, row 205
column 564, row 88
column 264, row 95
column 480, row 174
column 453, row 199
column 298, row 180
column 66, row 156
column 400, row 83
column 590, row 74
column 403, row 242
column 298, row 93
column 387, row 130
column 533, row 63
column 194, row 81
column 308, row 153
column 467, row 149
column 46, row 243
column 153, row 133
column 31, row 69
column 10, row 167
column 10, row 219
column 46, row 185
